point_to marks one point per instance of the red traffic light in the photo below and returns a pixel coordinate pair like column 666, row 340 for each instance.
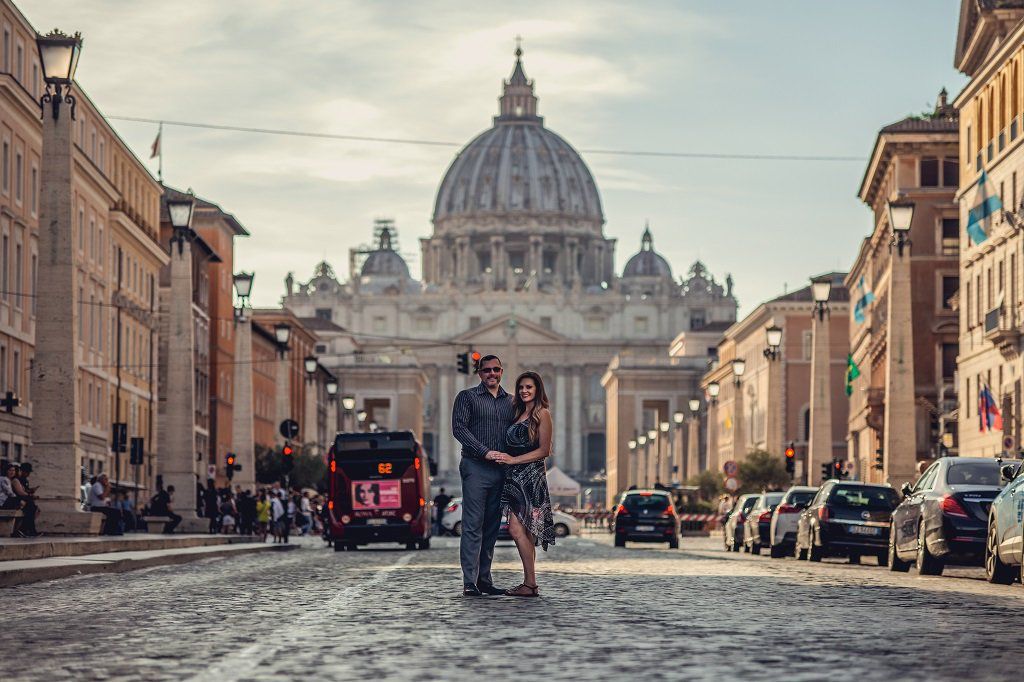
column 287, row 451
column 476, row 356
column 231, row 460
column 790, row 453
column 838, row 465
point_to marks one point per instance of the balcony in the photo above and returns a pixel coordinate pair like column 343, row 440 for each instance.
column 1001, row 330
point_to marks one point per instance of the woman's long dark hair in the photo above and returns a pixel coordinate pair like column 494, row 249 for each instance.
column 539, row 400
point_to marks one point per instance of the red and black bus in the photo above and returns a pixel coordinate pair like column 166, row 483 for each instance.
column 378, row 490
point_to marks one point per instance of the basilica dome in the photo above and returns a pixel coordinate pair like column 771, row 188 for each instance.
column 647, row 262
column 518, row 168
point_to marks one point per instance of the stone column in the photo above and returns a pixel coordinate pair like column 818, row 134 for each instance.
column 447, row 455
column 712, row 458
column 693, row 447
column 774, row 405
column 678, row 454
column 177, row 420
column 739, row 450
column 242, row 427
column 310, row 432
column 820, row 450
column 665, row 470
column 498, row 262
column 576, row 425
column 283, row 394
column 535, row 257
column 572, row 273
column 56, row 447
column 462, row 248
column 900, row 446
column 560, row 448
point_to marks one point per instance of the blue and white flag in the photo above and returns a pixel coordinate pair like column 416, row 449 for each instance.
column 863, row 302
column 985, row 206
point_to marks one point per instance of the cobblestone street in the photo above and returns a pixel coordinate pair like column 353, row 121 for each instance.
column 695, row 613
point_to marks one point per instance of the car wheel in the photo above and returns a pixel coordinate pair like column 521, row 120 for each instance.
column 855, row 559
column 814, row 553
column 620, row 541
column 673, row 543
column 338, row 546
column 895, row 563
column 927, row 563
column 410, row 545
column 776, row 552
column 561, row 530
column 423, row 544
column 457, row 529
column 755, row 549
column 995, row 570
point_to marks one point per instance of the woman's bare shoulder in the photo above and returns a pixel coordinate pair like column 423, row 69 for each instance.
column 544, row 413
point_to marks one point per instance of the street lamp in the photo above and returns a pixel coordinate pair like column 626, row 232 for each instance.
column 694, row 409
column 652, row 434
column 282, row 334
column 332, row 388
column 739, row 366
column 678, row 417
column 309, row 362
column 773, row 336
column 664, row 427
column 180, row 209
column 632, row 444
column 821, row 287
column 641, row 440
column 901, row 214
column 348, row 402
column 58, row 54
column 243, row 285
column 714, row 388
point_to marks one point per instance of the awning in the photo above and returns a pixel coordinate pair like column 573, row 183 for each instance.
column 560, row 483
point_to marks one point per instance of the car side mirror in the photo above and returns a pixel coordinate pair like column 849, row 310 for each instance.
column 1008, row 472
column 905, row 489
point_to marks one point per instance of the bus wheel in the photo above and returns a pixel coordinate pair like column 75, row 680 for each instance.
column 423, row 544
column 410, row 545
column 339, row 547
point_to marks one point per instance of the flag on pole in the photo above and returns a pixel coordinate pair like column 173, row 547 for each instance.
column 985, row 206
column 852, row 372
column 863, row 302
column 155, row 150
column 989, row 418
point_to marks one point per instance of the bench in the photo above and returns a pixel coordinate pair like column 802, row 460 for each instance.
column 156, row 524
column 7, row 519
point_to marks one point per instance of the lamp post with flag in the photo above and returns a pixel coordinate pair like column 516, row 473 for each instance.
column 900, row 432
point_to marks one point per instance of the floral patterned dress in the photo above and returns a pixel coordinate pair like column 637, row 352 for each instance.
column 526, row 488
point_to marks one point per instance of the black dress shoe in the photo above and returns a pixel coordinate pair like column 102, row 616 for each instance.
column 471, row 591
column 490, row 590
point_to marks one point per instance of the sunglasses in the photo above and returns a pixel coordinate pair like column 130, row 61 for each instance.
column 489, row 370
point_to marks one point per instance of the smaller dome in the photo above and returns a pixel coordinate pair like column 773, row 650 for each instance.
column 647, row 262
column 385, row 261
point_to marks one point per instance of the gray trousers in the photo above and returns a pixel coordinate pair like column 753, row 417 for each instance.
column 482, row 482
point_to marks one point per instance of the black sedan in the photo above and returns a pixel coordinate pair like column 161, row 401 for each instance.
column 646, row 516
column 848, row 519
column 943, row 517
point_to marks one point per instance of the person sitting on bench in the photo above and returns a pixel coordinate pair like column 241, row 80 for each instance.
column 160, row 505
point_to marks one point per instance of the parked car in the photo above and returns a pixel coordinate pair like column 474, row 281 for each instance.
column 782, row 532
column 646, row 516
column 943, row 518
column 1004, row 542
column 733, row 532
column 847, row 518
column 565, row 524
column 759, row 521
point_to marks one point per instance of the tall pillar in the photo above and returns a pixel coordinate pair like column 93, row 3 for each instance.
column 310, row 432
column 665, row 452
column 712, row 458
column 561, row 446
column 56, row 410
column 774, row 403
column 678, row 454
column 900, row 431
column 576, row 425
column 447, row 456
column 177, row 421
column 693, row 446
column 739, row 450
column 243, row 424
column 820, row 450
column 283, row 394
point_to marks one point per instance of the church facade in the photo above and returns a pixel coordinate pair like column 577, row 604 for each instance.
column 517, row 265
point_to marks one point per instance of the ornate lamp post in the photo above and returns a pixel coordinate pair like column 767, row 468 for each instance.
column 243, row 420
column 693, row 438
column 714, row 388
column 899, row 450
column 820, row 449
column 773, row 353
column 361, row 418
column 664, row 448
column 641, row 466
column 773, row 339
column 348, row 403
column 283, row 394
column 309, row 363
column 739, row 367
column 58, row 54
column 679, row 466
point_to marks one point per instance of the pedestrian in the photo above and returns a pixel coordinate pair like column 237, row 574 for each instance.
column 162, row 504
column 278, row 517
column 724, row 507
column 99, row 501
column 228, row 514
column 292, row 507
column 8, row 498
column 525, row 499
column 262, row 515
column 28, row 495
column 246, row 513
column 480, row 418
column 305, row 514
column 210, row 506
column 441, row 503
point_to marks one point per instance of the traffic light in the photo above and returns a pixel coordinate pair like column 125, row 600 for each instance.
column 288, row 459
column 229, row 465
column 879, row 460
column 837, row 470
column 826, row 471
column 790, row 459
column 462, row 362
column 137, row 451
column 475, row 357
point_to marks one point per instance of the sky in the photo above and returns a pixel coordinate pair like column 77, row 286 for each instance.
column 800, row 77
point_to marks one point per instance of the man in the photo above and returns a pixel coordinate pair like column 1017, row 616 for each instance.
column 99, row 501
column 162, row 505
column 441, row 503
column 480, row 417
column 28, row 495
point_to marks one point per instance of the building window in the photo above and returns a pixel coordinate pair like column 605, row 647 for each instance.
column 550, row 260
column 5, row 167
column 595, row 323
column 5, row 264
column 807, row 342
column 324, row 314
column 19, row 176
column 950, row 285
column 950, row 172
column 380, row 324
column 697, row 319
column 34, row 189
column 424, row 324
column 321, row 348
column 640, row 325
column 949, row 353
column 19, row 275
column 929, row 171
column 950, row 236
column 517, row 260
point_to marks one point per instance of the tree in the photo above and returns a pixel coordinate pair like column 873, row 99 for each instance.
column 309, row 470
column 762, row 470
column 708, row 483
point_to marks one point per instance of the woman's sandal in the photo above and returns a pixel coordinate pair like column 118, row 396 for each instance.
column 523, row 590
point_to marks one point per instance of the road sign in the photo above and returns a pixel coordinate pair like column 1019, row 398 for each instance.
column 732, row 484
column 289, row 429
column 1008, row 443
column 730, row 468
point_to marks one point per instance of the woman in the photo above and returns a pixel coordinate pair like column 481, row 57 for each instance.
column 525, row 498
column 262, row 515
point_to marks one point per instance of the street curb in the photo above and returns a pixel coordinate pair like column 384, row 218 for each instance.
column 91, row 564
column 58, row 546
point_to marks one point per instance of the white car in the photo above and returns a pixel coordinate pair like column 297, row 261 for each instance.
column 782, row 532
column 565, row 525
